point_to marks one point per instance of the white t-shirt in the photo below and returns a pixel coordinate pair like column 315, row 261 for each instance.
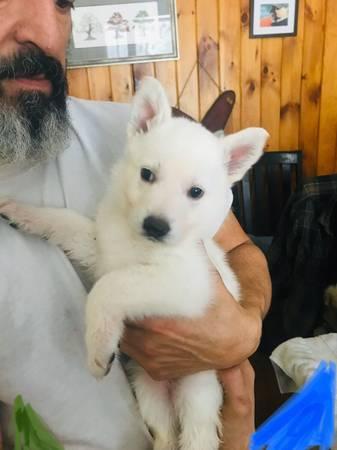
column 42, row 298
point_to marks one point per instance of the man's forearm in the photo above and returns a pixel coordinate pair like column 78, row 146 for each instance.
column 250, row 266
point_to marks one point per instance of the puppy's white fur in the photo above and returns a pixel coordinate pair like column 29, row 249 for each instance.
column 138, row 276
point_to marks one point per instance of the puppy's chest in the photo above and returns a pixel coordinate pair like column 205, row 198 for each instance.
column 186, row 262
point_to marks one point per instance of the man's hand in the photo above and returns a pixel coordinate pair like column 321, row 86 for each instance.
column 238, row 407
column 170, row 348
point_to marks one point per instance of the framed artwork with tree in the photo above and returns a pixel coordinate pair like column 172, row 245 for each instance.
column 108, row 32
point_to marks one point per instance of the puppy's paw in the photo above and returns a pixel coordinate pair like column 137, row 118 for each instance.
column 99, row 367
column 104, row 325
column 102, row 353
column 103, row 333
column 5, row 203
column 8, row 208
column 4, row 199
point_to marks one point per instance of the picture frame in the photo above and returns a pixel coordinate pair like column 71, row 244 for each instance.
column 273, row 18
column 106, row 32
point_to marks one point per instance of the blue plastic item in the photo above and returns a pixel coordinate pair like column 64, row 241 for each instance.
column 306, row 420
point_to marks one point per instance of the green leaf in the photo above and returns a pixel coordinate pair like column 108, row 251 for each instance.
column 30, row 431
column 41, row 430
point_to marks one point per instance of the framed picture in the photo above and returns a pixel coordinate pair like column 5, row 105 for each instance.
column 270, row 18
column 108, row 32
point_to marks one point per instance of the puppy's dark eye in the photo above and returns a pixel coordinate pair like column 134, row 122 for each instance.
column 147, row 175
column 195, row 192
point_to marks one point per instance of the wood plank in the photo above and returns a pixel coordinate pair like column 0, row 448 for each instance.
column 229, row 55
column 326, row 160
column 291, row 86
column 311, row 82
column 78, row 83
column 271, row 59
column 189, row 96
column 99, row 83
column 121, row 83
column 250, row 73
column 166, row 74
column 187, row 73
column 142, row 70
column 208, row 54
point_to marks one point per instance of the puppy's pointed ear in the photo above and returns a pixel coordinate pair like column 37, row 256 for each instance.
column 243, row 149
column 150, row 107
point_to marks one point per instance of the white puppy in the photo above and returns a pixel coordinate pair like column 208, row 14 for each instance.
column 168, row 196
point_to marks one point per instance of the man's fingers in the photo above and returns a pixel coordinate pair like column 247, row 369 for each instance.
column 132, row 341
column 163, row 326
column 238, row 378
column 238, row 384
column 238, row 406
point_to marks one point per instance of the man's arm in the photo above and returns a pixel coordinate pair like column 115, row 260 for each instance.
column 228, row 333
column 249, row 265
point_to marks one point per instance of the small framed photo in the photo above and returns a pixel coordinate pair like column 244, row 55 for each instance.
column 108, row 32
column 270, row 18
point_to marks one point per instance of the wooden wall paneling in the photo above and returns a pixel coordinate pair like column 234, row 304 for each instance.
column 271, row 61
column 187, row 68
column 141, row 70
column 230, row 56
column 326, row 161
column 166, row 74
column 312, row 81
column 291, row 86
column 208, row 53
column 78, row 83
column 250, row 73
column 121, row 80
column 99, row 83
column 298, row 82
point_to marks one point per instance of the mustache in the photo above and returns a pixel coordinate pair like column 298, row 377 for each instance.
column 32, row 63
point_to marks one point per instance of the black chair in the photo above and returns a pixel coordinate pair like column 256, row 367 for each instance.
column 262, row 194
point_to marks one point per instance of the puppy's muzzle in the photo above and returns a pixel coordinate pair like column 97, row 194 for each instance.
column 155, row 228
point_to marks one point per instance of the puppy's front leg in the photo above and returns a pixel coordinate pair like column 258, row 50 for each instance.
column 73, row 233
column 133, row 293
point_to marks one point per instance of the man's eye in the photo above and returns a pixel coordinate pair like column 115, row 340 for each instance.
column 65, row 4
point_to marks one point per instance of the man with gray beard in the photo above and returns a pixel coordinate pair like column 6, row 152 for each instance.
column 33, row 124
column 57, row 151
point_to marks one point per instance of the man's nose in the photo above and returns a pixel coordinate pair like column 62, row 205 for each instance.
column 41, row 27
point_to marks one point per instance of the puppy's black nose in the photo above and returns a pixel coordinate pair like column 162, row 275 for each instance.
column 155, row 227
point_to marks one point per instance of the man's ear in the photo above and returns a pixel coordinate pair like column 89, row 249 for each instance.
column 242, row 150
column 150, row 107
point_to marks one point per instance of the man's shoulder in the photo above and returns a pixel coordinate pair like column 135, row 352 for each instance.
column 96, row 105
column 80, row 109
column 98, row 128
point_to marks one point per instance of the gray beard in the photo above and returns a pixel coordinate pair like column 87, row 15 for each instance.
column 21, row 143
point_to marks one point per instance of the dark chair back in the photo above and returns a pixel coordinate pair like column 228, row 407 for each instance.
column 262, row 194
